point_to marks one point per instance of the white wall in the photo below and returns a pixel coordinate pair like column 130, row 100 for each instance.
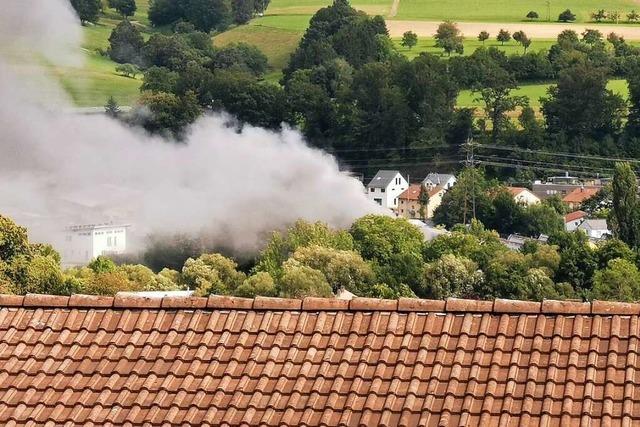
column 389, row 198
column 81, row 246
column 527, row 198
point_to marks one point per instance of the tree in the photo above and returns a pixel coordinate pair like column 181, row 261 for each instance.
column 632, row 74
column 111, row 108
column 457, row 203
column 566, row 16
column 578, row 260
column 342, row 269
column 125, row 44
column 241, row 57
column 128, row 70
column 260, row 283
column 620, row 281
column 212, row 274
column 626, row 210
column 614, row 16
column 102, row 264
column 449, row 38
column 541, row 219
column 124, row 7
column 507, row 213
column 299, row 281
column 379, row 237
column 483, row 36
column 243, row 10
column 532, row 15
column 581, row 105
column 423, row 201
column 451, row 276
column 522, row 38
column 611, row 249
column 503, row 36
column 591, row 36
column 205, row 15
column 409, row 39
column 166, row 113
column 494, row 87
column 599, row 15
column 13, row 239
column 87, row 10
column 301, row 234
column 633, row 16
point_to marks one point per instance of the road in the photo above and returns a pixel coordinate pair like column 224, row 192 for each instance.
column 532, row 29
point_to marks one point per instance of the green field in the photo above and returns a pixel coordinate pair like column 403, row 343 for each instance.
column 427, row 44
column 534, row 92
column 504, row 10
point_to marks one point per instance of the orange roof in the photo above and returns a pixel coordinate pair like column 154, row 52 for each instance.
column 413, row 192
column 84, row 360
column 516, row 190
column 579, row 195
column 572, row 216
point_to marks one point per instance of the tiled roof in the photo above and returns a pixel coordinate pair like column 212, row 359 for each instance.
column 572, row 216
column 581, row 194
column 516, row 190
column 413, row 192
column 267, row 361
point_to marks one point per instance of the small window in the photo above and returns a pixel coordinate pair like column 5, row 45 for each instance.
column 109, row 241
column 115, row 240
column 382, row 190
column 371, row 190
column 378, row 201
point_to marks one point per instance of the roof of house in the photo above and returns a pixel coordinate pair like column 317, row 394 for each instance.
column 382, row 179
column 581, row 194
column 438, row 178
column 87, row 360
column 413, row 192
column 572, row 216
column 594, row 224
column 515, row 191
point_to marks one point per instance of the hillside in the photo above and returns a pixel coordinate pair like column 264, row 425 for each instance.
column 278, row 32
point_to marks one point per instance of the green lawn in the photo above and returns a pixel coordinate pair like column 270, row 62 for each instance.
column 309, row 7
column 534, row 92
column 504, row 10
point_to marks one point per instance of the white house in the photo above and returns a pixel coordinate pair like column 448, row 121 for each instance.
column 523, row 196
column 595, row 228
column 82, row 243
column 444, row 180
column 573, row 219
column 385, row 188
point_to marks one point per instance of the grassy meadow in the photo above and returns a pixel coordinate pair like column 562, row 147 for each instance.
column 504, row 10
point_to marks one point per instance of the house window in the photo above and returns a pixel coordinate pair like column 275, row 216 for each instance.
column 115, row 240
column 382, row 190
column 378, row 201
column 109, row 241
column 371, row 190
column 395, row 201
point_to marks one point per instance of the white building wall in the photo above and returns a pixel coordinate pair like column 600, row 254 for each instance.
column 389, row 197
column 573, row 225
column 527, row 198
column 82, row 245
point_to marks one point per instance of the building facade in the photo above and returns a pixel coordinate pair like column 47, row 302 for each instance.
column 82, row 243
column 385, row 188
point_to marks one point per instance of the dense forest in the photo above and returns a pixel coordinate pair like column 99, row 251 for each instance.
column 351, row 93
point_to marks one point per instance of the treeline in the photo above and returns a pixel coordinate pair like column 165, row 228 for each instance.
column 378, row 256
column 352, row 93
column 204, row 15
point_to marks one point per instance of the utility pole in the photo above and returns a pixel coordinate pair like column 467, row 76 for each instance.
column 548, row 10
column 470, row 162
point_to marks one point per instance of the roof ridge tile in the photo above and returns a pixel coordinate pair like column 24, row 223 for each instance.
column 44, row 300
column 456, row 305
column 136, row 301
column 468, row 305
column 565, row 307
column 90, row 301
column 373, row 304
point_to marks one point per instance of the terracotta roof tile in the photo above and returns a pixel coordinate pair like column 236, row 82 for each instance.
column 234, row 361
column 579, row 195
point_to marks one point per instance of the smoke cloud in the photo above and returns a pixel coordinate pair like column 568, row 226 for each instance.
column 59, row 168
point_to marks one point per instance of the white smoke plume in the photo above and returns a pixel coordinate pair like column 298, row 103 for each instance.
column 58, row 168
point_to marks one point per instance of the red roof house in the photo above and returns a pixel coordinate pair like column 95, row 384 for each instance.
column 575, row 198
column 134, row 361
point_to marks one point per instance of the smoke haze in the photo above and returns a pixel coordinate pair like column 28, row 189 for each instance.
column 58, row 169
